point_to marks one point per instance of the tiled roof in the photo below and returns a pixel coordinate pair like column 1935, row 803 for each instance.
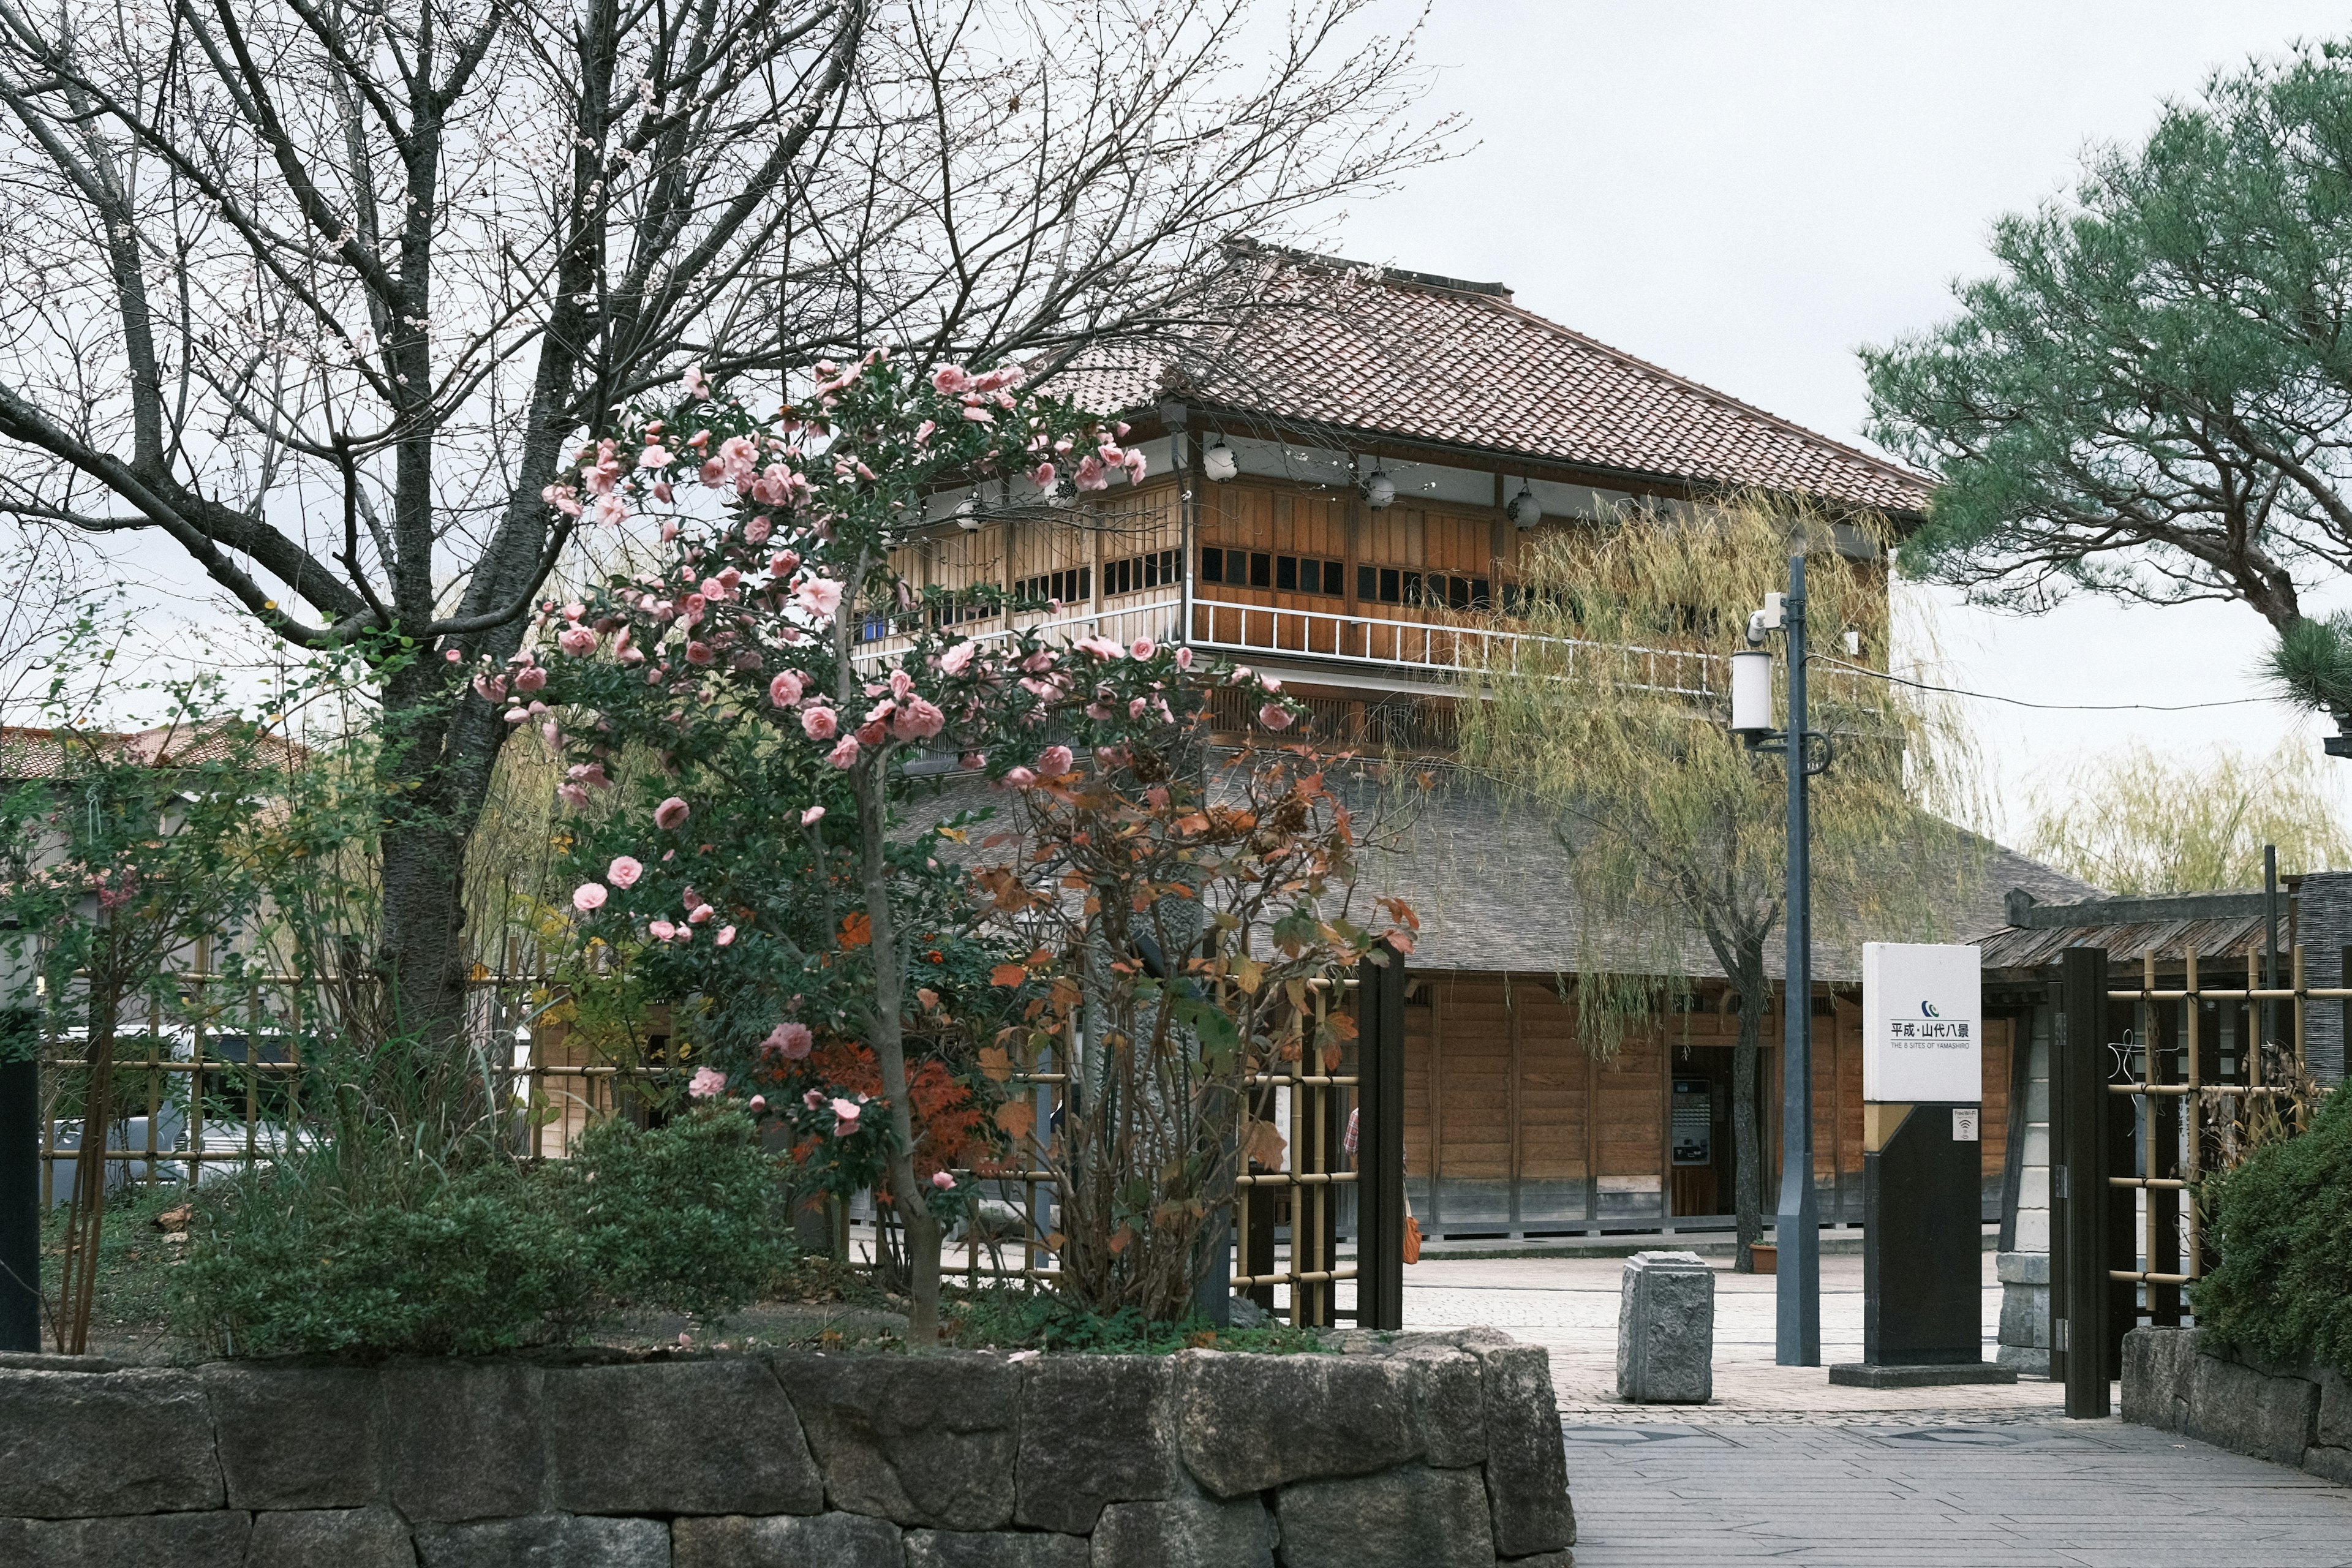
column 26, row 754
column 1358, row 348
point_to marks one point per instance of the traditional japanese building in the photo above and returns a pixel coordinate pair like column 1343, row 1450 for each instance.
column 1341, row 486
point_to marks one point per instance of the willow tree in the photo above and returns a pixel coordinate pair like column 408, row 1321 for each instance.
column 1610, row 717
column 2134, row 821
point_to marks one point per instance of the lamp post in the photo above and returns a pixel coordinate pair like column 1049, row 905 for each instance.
column 1796, row 1222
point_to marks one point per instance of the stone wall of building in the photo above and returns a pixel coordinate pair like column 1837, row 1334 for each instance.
column 2023, row 1268
column 1425, row 1451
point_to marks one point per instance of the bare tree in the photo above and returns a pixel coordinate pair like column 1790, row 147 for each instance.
column 331, row 290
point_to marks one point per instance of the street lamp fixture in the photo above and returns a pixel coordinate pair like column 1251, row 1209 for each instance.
column 1525, row 510
column 1796, row 1222
column 1219, row 462
column 1380, row 491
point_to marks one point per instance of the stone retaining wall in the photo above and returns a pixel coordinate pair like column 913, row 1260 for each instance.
column 1431, row 1451
column 2184, row 1380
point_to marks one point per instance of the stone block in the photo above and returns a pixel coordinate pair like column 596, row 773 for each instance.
column 2033, row 1230
column 463, row 1439
column 2331, row 1464
column 296, row 1436
column 2034, row 1188
column 820, row 1541
column 137, row 1540
column 2028, row 1361
column 2037, row 1146
column 993, row 1549
column 1188, row 1532
column 2022, row 1268
column 1665, row 1329
column 1447, row 1413
column 1250, row 1422
column 1526, row 1462
column 695, row 1436
column 2232, row 1406
column 345, row 1537
column 2025, row 1316
column 1094, row 1430
column 1409, row 1517
column 929, row 1440
column 2037, row 1103
column 74, row 1444
column 2335, row 1427
column 2156, row 1382
column 545, row 1540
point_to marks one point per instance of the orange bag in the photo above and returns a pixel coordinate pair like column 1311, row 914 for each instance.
column 1411, row 1239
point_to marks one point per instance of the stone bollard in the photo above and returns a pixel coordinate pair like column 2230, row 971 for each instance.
column 1665, row 1329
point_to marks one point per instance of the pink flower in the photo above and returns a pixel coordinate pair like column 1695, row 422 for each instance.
column 1274, row 716
column 951, row 380
column 1144, row 649
column 820, row 596
column 706, row 1084
column 1135, row 467
column 623, row 871
column 701, row 916
column 844, row 754
column 1183, row 659
column 941, row 1180
column 871, row 732
column 979, row 415
column 920, row 719
column 529, row 679
column 1099, row 646
column 660, row 930
column 698, row 652
column 923, row 431
column 844, row 1117
column 786, row 688
column 654, row 456
column 1054, row 761
column 576, row 640
column 814, row 1099
column 726, row 936
column 812, row 816
column 820, row 723
column 1044, row 476
column 1091, row 475
column 573, row 796
column 696, row 384
column 957, row 659
column 756, row 531
column 671, row 813
column 1020, row 778
column 588, row 896
column 972, row 761
column 1271, row 682
column 758, row 1104
column 790, row 1040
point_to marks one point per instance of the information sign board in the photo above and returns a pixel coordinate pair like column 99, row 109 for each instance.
column 1922, row 1023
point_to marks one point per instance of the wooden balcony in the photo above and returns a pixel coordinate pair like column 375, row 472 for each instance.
column 1437, row 645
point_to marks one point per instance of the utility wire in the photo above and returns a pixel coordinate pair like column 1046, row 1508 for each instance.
column 2046, row 706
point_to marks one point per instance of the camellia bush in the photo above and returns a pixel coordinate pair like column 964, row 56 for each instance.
column 824, row 947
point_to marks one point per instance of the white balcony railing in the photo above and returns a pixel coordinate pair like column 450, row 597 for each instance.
column 1369, row 642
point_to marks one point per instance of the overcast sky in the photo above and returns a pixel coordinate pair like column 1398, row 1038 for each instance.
column 1744, row 192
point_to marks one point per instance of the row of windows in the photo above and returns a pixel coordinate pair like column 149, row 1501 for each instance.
column 1434, row 590
column 1286, row 574
column 1138, row 572
column 1077, row 582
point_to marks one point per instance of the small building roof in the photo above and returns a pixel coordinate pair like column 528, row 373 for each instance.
column 1365, row 351
column 2211, row 925
column 1490, row 880
column 31, row 753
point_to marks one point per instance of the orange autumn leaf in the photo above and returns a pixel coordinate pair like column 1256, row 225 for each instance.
column 1118, row 1243
column 1018, row 1118
column 1008, row 975
column 996, row 1062
column 1266, row 1145
column 857, row 931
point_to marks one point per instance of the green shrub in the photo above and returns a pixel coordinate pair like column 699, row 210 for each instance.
column 375, row 1251
column 1008, row 1319
column 687, row 1216
column 2283, row 1222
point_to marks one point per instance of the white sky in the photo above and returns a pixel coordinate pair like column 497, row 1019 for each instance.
column 1744, row 192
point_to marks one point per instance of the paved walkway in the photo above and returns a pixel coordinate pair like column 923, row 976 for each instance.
column 1784, row 1468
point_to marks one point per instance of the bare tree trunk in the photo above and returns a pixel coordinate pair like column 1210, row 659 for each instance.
column 1747, row 1148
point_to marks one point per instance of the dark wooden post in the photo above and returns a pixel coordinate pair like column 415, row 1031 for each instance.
column 1379, row 1141
column 20, row 1180
column 2079, row 1167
